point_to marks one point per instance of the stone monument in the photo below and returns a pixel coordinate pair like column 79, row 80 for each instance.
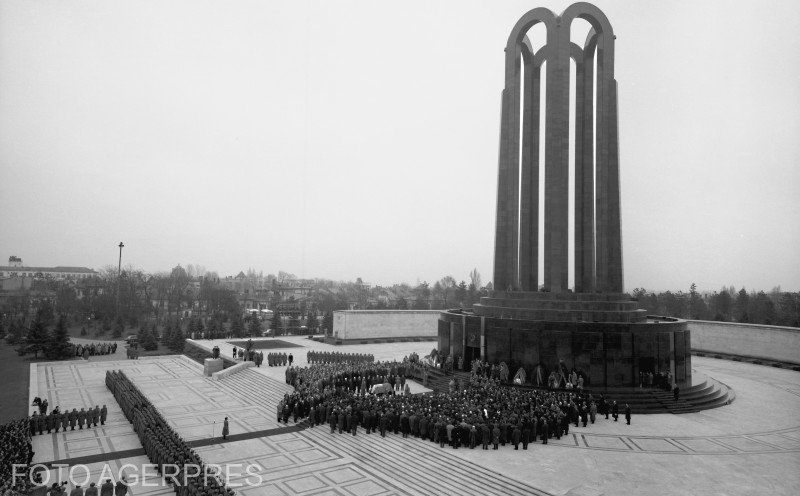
column 594, row 328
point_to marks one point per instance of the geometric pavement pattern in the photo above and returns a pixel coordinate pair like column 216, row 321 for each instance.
column 313, row 461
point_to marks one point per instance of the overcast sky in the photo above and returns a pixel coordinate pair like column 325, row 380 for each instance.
column 344, row 139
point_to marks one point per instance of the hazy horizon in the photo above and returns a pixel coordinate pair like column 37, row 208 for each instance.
column 348, row 139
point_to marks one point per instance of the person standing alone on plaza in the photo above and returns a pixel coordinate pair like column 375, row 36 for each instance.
column 225, row 429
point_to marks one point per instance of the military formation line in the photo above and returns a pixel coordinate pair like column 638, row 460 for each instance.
column 163, row 446
column 56, row 419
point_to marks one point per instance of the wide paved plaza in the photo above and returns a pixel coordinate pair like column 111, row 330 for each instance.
column 751, row 446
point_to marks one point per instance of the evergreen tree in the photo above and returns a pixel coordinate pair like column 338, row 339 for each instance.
column 37, row 337
column 46, row 313
column 166, row 339
column 143, row 333
column 724, row 304
column 312, row 322
column 276, row 323
column 119, row 328
column 789, row 306
column 83, row 331
column 461, row 293
column 148, row 341
column 178, row 340
column 237, row 328
column 58, row 346
column 742, row 305
column 254, row 329
column 697, row 306
column 327, row 322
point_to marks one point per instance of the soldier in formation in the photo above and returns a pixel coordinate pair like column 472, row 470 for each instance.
column 162, row 444
column 56, row 420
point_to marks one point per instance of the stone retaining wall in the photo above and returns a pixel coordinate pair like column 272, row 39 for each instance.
column 749, row 340
column 232, row 370
column 349, row 325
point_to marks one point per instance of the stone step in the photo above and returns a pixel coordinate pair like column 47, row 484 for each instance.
column 425, row 464
column 248, row 385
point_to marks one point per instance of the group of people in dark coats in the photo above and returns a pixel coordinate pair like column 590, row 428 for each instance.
column 314, row 357
column 277, row 359
column 56, row 419
column 162, row 444
column 15, row 449
column 481, row 413
column 95, row 349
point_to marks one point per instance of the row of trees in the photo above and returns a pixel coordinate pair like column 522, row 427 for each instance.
column 39, row 338
column 726, row 305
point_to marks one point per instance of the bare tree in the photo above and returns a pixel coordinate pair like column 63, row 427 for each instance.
column 447, row 283
column 475, row 278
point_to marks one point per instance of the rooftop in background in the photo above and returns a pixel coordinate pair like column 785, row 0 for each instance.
column 16, row 269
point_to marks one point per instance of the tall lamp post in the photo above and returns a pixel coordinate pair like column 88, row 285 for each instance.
column 119, row 274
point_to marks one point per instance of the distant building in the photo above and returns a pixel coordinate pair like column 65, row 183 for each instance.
column 16, row 269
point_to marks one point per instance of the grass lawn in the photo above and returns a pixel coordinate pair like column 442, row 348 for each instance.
column 15, row 371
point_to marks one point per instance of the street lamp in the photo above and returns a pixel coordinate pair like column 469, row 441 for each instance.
column 119, row 274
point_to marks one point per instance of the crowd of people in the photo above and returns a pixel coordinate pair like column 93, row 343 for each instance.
column 162, row 444
column 87, row 350
column 481, row 411
column 15, row 449
column 314, row 357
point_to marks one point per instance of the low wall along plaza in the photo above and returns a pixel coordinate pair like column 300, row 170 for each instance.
column 749, row 340
column 385, row 324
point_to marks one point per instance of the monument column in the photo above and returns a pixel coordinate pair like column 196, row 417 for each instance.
column 507, row 220
column 556, row 163
column 529, row 199
column 584, row 167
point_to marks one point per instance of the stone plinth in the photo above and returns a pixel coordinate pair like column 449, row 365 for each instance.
column 567, row 307
column 212, row 365
column 607, row 353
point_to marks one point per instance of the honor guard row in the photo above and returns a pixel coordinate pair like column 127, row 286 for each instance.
column 57, row 419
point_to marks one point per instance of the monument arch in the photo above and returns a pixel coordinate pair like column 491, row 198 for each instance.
column 594, row 328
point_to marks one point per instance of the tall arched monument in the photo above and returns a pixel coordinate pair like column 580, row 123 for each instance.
column 594, row 326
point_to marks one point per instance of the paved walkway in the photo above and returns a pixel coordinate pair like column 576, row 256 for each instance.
column 749, row 447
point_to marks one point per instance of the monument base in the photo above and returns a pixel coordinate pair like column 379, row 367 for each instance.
column 212, row 365
column 607, row 354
